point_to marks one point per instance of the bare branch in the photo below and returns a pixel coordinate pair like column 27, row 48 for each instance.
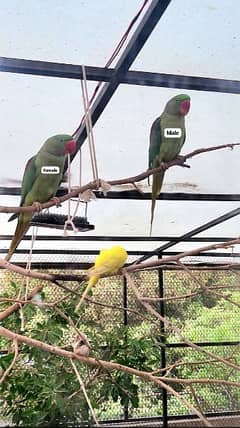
column 196, row 399
column 84, row 392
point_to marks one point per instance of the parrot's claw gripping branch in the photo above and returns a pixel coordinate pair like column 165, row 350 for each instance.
column 37, row 206
column 182, row 160
column 164, row 166
column 57, row 201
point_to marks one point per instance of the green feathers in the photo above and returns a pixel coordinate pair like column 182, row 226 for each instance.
column 167, row 137
column 39, row 185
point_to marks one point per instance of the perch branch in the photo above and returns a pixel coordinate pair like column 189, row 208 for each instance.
column 130, row 180
column 39, row 275
column 133, row 267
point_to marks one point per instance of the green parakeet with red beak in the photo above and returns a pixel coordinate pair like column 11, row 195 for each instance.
column 167, row 137
column 42, row 177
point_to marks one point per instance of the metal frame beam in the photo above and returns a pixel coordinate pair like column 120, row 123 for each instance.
column 119, row 238
column 130, row 253
column 103, row 74
column 206, row 226
column 135, row 195
column 140, row 36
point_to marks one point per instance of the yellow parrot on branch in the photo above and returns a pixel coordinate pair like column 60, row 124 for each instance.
column 107, row 262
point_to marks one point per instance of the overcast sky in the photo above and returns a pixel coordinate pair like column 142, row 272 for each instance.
column 194, row 38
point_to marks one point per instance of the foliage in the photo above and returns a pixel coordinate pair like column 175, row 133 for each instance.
column 42, row 389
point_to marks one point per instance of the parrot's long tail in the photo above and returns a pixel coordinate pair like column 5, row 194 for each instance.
column 156, row 189
column 21, row 229
column 92, row 281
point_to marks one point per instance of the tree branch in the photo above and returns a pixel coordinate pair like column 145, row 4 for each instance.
column 161, row 382
column 131, row 268
column 130, row 180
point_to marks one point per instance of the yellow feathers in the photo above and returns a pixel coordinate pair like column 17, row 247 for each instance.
column 107, row 262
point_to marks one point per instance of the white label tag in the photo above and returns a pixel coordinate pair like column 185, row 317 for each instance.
column 50, row 169
column 172, row 132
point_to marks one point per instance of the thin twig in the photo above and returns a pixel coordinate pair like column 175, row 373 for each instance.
column 84, row 392
column 208, row 289
column 13, row 308
column 183, row 296
column 196, row 399
column 181, row 363
column 137, row 188
column 7, row 371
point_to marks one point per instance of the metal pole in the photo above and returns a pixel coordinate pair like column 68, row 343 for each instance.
column 162, row 344
column 103, row 74
column 125, row 322
column 139, row 38
column 205, row 226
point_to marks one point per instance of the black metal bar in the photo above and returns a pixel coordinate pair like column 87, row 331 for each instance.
column 118, row 238
column 125, row 302
column 130, row 253
column 199, row 229
column 195, row 83
column 202, row 344
column 125, row 322
column 175, row 196
column 157, row 419
column 68, row 252
column 54, row 69
column 140, row 36
column 204, row 254
column 134, row 195
column 162, row 342
column 103, row 74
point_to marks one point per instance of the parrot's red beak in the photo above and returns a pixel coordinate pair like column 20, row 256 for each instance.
column 70, row 147
column 184, row 107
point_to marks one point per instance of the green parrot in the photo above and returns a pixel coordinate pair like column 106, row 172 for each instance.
column 167, row 137
column 40, row 183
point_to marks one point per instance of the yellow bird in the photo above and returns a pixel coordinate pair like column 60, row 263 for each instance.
column 107, row 262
